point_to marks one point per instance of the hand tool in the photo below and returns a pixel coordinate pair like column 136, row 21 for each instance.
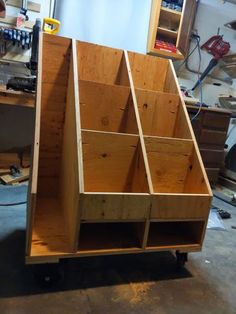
column 218, row 48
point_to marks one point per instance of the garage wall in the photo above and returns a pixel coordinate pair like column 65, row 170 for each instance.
column 215, row 13
column 116, row 23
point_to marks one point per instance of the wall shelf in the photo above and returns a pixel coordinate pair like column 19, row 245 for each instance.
column 171, row 27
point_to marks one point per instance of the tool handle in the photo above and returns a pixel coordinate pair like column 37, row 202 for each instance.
column 210, row 66
column 48, row 23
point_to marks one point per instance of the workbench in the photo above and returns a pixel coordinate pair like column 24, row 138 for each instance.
column 211, row 128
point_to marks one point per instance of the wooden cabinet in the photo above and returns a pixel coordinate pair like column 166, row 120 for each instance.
column 172, row 27
column 210, row 128
column 116, row 168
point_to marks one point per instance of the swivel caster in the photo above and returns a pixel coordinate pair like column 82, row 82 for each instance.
column 181, row 259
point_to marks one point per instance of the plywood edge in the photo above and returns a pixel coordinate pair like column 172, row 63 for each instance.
column 148, row 173
column 143, row 148
column 34, row 168
column 176, row 219
column 41, row 259
column 114, row 193
column 72, row 181
column 182, row 103
column 182, row 194
column 109, row 133
column 167, row 94
column 106, row 85
column 77, row 117
column 32, row 190
column 31, row 204
column 163, row 138
column 182, row 247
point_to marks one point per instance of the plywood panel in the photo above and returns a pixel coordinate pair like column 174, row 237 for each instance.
column 157, row 112
column 101, row 64
column 106, row 108
column 114, row 206
column 108, row 161
column 182, row 128
column 49, row 233
column 195, row 180
column 180, row 206
column 148, row 72
column 53, row 101
column 169, row 160
column 170, row 83
column 70, row 181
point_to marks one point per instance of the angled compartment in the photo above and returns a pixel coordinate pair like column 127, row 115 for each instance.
column 180, row 189
column 161, row 114
column 106, row 108
column 101, row 64
column 53, row 194
column 115, row 184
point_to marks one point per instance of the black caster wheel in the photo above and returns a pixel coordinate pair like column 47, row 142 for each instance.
column 181, row 259
column 48, row 275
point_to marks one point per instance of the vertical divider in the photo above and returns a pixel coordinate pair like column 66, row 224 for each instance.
column 72, row 185
column 32, row 189
column 141, row 138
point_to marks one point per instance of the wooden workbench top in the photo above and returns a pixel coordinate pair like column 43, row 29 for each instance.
column 15, row 98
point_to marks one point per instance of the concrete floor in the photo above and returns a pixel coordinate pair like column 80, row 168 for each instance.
column 147, row 283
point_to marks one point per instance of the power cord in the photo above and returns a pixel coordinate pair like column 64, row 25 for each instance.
column 197, row 38
column 13, row 204
column 197, row 46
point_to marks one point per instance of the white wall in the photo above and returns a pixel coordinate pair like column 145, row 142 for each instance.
column 116, row 23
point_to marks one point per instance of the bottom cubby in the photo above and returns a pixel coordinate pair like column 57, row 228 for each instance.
column 110, row 236
column 49, row 233
column 175, row 233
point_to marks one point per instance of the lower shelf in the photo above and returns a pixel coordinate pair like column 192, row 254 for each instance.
column 175, row 233
column 49, row 235
column 112, row 235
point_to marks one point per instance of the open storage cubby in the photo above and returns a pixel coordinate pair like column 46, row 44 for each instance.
column 175, row 233
column 161, row 114
column 101, row 64
column 106, row 108
column 113, row 163
column 48, row 232
column 114, row 154
column 174, row 166
column 149, row 73
column 110, row 236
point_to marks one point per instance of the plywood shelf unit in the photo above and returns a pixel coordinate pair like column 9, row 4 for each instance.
column 172, row 27
column 116, row 167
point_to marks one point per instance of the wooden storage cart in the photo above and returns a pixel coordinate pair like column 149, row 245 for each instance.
column 116, row 168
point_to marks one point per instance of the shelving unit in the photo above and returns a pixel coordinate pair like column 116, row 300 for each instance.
column 116, row 167
column 172, row 27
